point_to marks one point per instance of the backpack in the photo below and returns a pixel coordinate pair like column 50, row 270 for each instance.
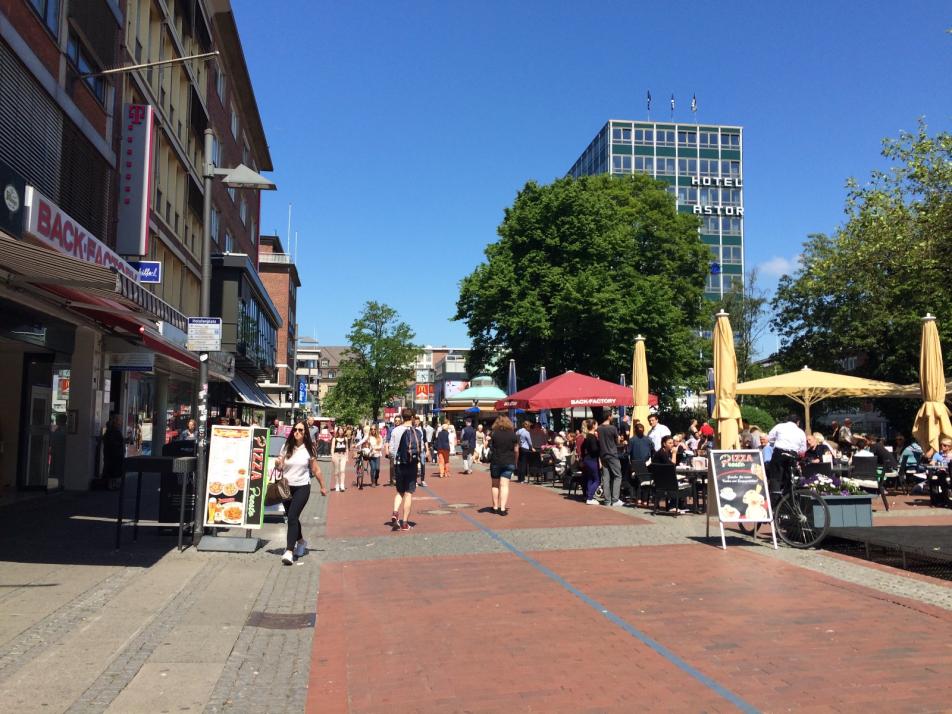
column 410, row 447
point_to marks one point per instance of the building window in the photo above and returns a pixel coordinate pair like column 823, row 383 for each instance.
column 708, row 196
column 325, row 363
column 234, row 122
column 708, row 139
column 730, row 168
column 644, row 136
column 707, row 167
column 732, row 255
column 715, row 253
column 220, row 83
column 621, row 135
column 710, row 225
column 730, row 141
column 732, row 280
column 243, row 211
column 687, row 138
column 687, row 167
column 216, row 222
column 231, row 193
column 48, row 10
column 644, row 164
column 713, row 284
column 216, row 151
column 730, row 196
column 229, row 243
column 665, row 137
column 621, row 164
column 84, row 65
column 664, row 166
column 330, row 375
column 730, row 226
column 687, row 194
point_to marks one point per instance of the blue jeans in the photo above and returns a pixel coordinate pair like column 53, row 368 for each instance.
column 592, row 476
column 374, row 469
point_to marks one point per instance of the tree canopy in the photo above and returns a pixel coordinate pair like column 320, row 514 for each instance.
column 857, row 299
column 377, row 366
column 582, row 266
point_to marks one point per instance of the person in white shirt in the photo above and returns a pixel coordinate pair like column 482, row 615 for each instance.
column 789, row 443
column 298, row 462
column 657, row 432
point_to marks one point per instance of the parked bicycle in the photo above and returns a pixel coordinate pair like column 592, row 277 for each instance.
column 801, row 517
column 361, row 467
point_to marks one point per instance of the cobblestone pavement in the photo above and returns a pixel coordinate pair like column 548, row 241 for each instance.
column 89, row 629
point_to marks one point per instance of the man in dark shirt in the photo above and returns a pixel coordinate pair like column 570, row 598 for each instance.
column 884, row 458
column 639, row 453
column 467, row 440
column 611, row 466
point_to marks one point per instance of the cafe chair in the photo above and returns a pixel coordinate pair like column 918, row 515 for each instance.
column 866, row 475
column 534, row 467
column 666, row 483
column 823, row 468
column 572, row 479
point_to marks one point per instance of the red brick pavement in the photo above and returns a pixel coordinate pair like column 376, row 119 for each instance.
column 365, row 513
column 492, row 633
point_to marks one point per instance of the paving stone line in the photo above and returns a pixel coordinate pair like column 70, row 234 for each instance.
column 127, row 663
column 35, row 640
column 268, row 669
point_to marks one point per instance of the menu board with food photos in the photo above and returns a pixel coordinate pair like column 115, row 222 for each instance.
column 229, row 461
column 740, row 485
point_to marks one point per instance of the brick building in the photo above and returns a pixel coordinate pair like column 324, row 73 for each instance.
column 280, row 276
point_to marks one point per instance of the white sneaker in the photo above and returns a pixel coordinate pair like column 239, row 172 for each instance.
column 301, row 548
column 288, row 558
column 619, row 502
column 337, row 489
column 591, row 502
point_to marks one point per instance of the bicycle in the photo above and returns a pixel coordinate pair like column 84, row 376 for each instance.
column 801, row 517
column 360, row 468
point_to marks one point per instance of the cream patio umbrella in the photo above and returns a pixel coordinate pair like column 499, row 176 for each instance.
column 726, row 411
column 639, row 383
column 807, row 387
column 932, row 420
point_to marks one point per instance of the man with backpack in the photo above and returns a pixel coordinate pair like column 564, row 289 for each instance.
column 468, row 441
column 405, row 449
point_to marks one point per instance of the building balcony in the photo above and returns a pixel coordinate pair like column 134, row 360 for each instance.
column 278, row 258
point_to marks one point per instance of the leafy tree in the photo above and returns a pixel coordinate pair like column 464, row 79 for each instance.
column 377, row 365
column 858, row 297
column 745, row 303
column 582, row 267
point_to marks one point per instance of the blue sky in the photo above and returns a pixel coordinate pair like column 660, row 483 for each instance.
column 400, row 131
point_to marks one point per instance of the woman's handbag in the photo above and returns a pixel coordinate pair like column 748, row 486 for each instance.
column 278, row 488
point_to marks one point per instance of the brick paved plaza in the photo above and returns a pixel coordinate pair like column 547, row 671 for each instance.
column 557, row 607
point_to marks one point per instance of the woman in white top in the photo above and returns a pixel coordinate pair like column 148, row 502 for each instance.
column 480, row 442
column 339, row 449
column 298, row 461
column 374, row 444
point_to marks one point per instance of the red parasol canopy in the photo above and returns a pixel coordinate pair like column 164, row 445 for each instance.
column 570, row 390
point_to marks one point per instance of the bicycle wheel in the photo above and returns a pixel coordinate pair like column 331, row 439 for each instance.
column 748, row 529
column 802, row 520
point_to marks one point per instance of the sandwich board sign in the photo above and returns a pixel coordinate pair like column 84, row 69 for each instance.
column 739, row 489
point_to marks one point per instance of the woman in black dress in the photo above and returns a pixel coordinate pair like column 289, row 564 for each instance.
column 591, row 452
column 503, row 447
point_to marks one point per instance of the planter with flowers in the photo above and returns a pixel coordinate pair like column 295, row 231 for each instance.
column 850, row 506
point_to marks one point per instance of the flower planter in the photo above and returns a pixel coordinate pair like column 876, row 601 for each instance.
column 853, row 511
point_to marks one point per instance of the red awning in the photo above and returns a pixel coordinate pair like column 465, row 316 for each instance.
column 568, row 390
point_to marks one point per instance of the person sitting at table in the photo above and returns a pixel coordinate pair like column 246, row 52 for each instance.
column 884, row 458
column 765, row 448
column 817, row 450
column 560, row 453
column 667, row 454
column 678, row 450
column 943, row 456
column 860, row 447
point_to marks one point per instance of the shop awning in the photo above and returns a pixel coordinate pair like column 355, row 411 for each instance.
column 27, row 263
column 249, row 393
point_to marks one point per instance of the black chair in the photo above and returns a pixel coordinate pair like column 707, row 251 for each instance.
column 572, row 479
column 548, row 465
column 534, row 466
column 665, row 481
column 865, row 474
column 638, row 483
column 822, row 468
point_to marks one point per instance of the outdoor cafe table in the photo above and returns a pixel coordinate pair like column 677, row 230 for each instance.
column 695, row 477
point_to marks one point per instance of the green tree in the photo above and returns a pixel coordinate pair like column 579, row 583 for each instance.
column 582, row 266
column 858, row 297
column 745, row 304
column 378, row 363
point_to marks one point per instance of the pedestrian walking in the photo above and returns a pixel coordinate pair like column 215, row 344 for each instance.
column 443, row 449
column 468, row 442
column 339, row 458
column 397, row 421
column 298, row 462
column 405, row 449
column 113, row 452
column 591, row 452
column 480, row 442
column 374, row 446
column 421, row 466
column 503, row 447
column 525, row 448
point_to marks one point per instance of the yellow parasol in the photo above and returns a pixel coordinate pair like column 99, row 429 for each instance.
column 807, row 387
column 639, row 383
column 726, row 411
column 932, row 420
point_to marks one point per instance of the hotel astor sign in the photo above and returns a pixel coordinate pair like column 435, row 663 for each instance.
column 56, row 229
column 727, row 182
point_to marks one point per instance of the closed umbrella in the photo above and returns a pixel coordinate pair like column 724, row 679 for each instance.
column 544, row 414
column 511, row 386
column 932, row 420
column 639, row 383
column 726, row 411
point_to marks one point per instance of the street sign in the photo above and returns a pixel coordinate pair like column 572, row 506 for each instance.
column 150, row 271
column 204, row 334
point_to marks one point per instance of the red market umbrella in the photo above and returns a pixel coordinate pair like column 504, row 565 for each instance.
column 568, row 390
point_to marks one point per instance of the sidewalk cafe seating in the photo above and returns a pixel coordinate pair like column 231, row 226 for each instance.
column 939, row 484
column 534, row 467
column 572, row 479
column 666, row 483
column 868, row 476
column 638, row 483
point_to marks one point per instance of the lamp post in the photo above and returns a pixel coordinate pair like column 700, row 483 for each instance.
column 238, row 177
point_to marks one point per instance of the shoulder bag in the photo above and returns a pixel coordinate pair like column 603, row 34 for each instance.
column 278, row 488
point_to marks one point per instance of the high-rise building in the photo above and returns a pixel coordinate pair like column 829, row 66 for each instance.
column 703, row 168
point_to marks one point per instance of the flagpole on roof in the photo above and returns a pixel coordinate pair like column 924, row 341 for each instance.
column 694, row 108
column 649, row 105
column 672, row 107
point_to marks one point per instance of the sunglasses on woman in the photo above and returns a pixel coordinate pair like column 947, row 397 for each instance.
column 299, row 430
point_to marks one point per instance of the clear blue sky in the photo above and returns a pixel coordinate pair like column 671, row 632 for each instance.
column 400, row 131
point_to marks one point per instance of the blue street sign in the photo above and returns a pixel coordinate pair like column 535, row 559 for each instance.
column 150, row 271
column 302, row 390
